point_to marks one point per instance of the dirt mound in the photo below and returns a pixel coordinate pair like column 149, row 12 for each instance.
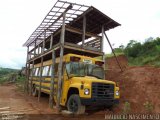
column 111, row 63
column 139, row 85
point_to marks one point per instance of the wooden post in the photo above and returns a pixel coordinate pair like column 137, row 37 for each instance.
column 113, row 52
column 60, row 64
column 40, row 84
column 41, row 70
column 44, row 42
column 35, row 48
column 31, row 78
column 102, row 43
column 52, row 92
column 38, row 49
column 27, row 54
column 43, row 46
column 51, row 41
column 84, row 30
column 102, row 40
column 27, row 71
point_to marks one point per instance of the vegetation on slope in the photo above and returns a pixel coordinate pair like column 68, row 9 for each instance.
column 139, row 54
column 6, row 74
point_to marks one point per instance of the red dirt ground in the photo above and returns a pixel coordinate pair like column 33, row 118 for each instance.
column 30, row 109
column 137, row 86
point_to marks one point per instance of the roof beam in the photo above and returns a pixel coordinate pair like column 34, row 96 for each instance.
column 78, row 31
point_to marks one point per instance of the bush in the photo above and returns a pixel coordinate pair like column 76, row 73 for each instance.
column 148, row 106
column 147, row 53
column 126, row 108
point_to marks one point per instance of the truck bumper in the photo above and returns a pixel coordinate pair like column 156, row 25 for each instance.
column 99, row 102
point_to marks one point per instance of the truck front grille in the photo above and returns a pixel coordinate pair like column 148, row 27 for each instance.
column 102, row 91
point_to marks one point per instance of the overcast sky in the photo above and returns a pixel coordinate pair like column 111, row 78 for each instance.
column 139, row 19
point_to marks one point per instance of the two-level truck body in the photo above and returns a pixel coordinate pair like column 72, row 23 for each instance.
column 62, row 60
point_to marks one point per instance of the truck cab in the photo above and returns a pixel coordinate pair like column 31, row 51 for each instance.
column 85, row 85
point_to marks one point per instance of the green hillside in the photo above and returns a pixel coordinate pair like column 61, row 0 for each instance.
column 139, row 54
column 6, row 73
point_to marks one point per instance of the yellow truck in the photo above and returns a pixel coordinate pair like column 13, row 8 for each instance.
column 83, row 83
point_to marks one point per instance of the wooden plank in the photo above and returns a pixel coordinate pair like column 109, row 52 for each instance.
column 31, row 79
column 41, row 70
column 102, row 39
column 51, row 41
column 27, row 53
column 57, row 46
column 4, row 108
column 84, row 30
column 86, row 49
column 113, row 52
column 35, row 48
column 78, row 31
column 44, row 42
column 102, row 49
column 28, row 73
column 60, row 64
column 52, row 80
column 92, row 42
column 38, row 49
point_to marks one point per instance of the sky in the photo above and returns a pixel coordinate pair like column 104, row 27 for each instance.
column 139, row 19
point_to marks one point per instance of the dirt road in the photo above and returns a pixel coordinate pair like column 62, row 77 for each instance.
column 12, row 101
column 138, row 86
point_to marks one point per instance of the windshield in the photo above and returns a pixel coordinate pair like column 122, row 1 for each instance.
column 83, row 69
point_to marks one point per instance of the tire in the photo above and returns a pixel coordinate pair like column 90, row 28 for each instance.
column 74, row 105
column 34, row 91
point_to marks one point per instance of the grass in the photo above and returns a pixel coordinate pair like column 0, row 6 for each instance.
column 4, row 78
column 20, row 83
column 148, row 106
column 126, row 108
column 145, row 60
column 11, row 75
column 109, row 55
column 112, row 55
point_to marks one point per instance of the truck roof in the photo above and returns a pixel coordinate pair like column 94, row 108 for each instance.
column 52, row 23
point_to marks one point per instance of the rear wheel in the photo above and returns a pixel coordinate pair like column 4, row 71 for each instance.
column 34, row 91
column 74, row 105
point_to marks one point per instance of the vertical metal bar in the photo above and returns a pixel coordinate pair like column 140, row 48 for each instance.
column 60, row 64
column 113, row 52
column 51, row 41
column 52, row 92
column 84, row 30
column 40, row 84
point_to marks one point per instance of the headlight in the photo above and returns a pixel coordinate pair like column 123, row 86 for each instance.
column 86, row 91
column 117, row 93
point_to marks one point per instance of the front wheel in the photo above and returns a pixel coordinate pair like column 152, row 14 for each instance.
column 74, row 105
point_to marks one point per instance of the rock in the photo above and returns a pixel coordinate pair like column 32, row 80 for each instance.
column 66, row 112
